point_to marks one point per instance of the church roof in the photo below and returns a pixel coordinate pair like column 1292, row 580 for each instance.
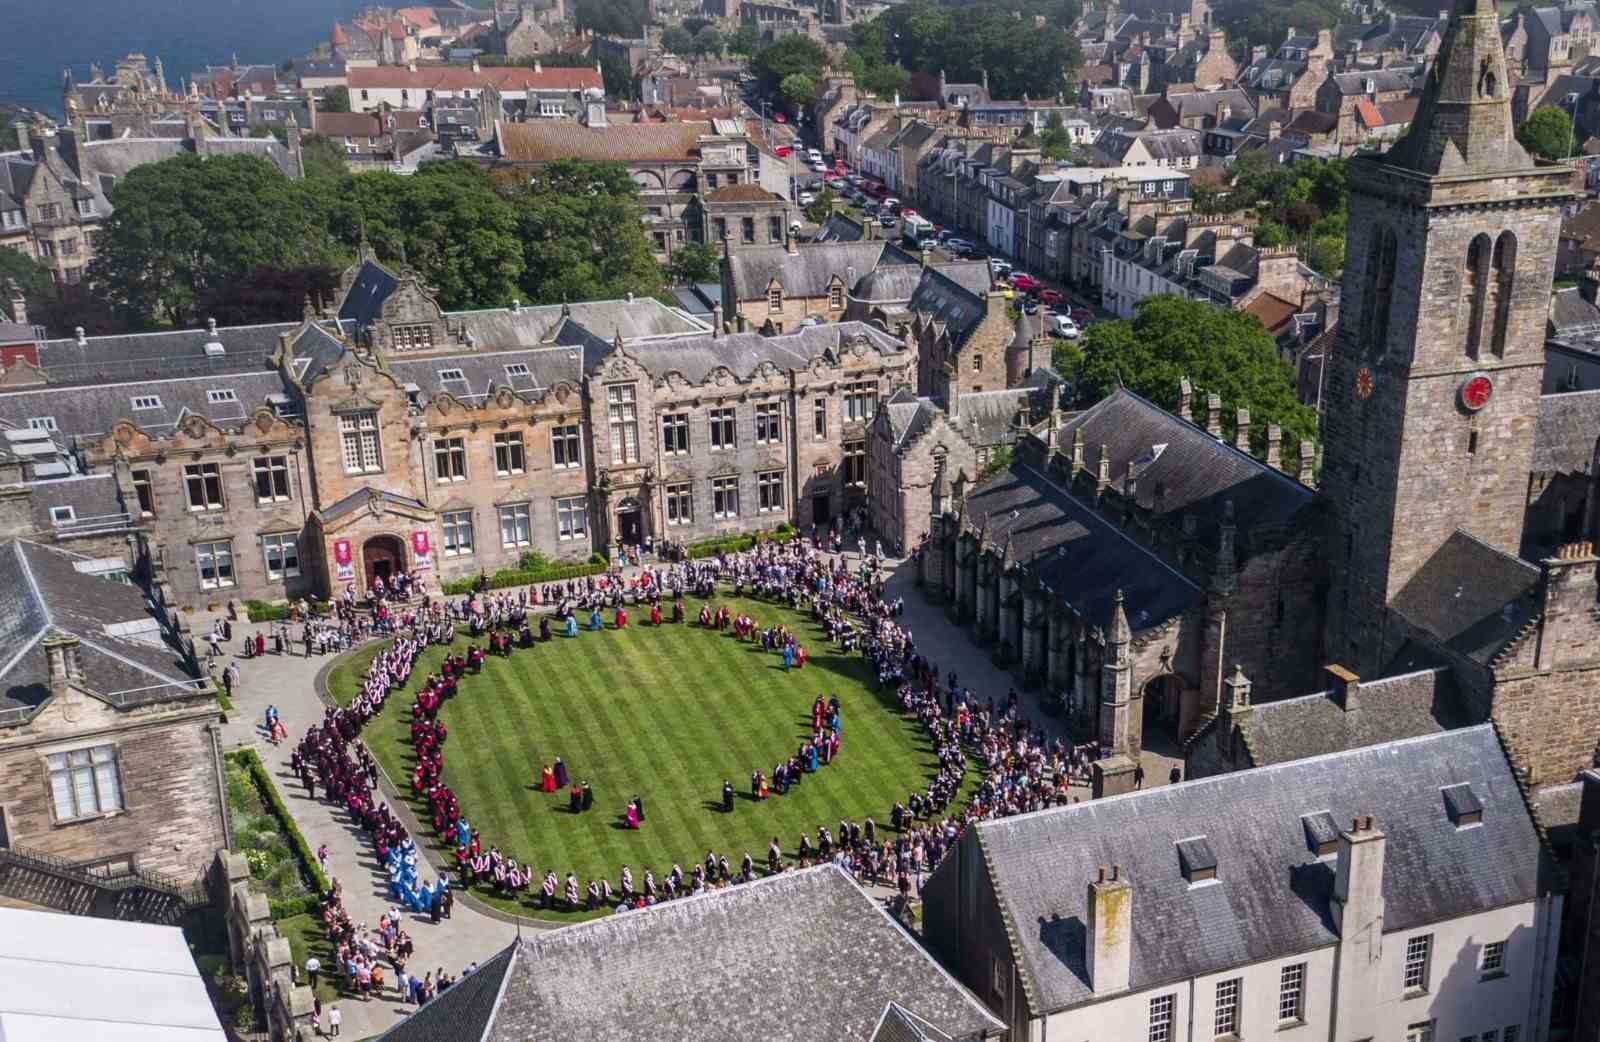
column 803, row 953
column 1569, row 429
column 1469, row 596
column 1195, row 472
column 1271, row 898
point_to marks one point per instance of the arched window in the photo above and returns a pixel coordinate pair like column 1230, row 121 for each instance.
column 1381, row 258
column 1505, row 270
column 1475, row 290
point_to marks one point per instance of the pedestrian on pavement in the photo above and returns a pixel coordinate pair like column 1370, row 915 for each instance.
column 313, row 967
column 1138, row 776
column 322, row 857
column 227, row 680
column 334, row 1019
column 1176, row 776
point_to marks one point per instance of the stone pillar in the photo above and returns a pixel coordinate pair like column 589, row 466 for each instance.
column 1111, row 776
column 1032, row 637
column 1116, row 687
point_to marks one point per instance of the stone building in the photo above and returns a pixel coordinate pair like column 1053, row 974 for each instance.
column 746, row 213
column 779, row 287
column 1401, row 891
column 287, row 460
column 109, row 749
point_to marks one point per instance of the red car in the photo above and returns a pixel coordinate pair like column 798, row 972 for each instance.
column 1048, row 297
column 782, row 151
column 1082, row 316
column 1024, row 283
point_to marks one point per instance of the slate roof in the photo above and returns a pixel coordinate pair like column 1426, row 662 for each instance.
column 907, row 416
column 697, row 357
column 1393, row 708
column 1571, row 313
column 89, row 495
column 169, row 354
column 482, row 371
column 461, row 1013
column 989, row 417
column 1197, row 473
column 85, row 411
column 1569, row 427
column 802, row 954
column 742, row 193
column 804, row 273
column 1076, row 552
column 540, row 141
column 945, row 300
column 45, row 594
column 1381, row 81
column 1271, row 897
column 1469, row 596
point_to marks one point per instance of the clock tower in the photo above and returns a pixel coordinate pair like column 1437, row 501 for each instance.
column 1433, row 395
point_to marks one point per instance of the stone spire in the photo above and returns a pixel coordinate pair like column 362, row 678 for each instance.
column 1120, row 635
column 1463, row 122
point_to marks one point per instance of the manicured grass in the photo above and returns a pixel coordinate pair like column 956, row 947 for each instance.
column 666, row 714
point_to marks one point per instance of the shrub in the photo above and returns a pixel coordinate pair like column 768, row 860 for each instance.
column 517, row 577
column 533, row 561
column 314, row 876
column 244, row 1018
column 288, row 907
column 261, row 611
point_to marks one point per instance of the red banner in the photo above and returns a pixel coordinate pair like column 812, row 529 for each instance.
column 421, row 551
column 343, row 560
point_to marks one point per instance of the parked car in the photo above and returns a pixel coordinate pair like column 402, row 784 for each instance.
column 1024, row 282
column 1063, row 327
column 813, row 155
column 886, row 220
column 1030, row 306
column 818, row 166
column 853, row 177
column 836, row 183
column 1082, row 316
column 956, row 245
column 807, row 198
column 999, row 268
column 782, row 151
column 1048, row 297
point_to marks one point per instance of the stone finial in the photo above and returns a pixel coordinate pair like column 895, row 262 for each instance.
column 1236, row 697
column 1102, row 478
column 1185, row 396
column 1241, row 432
column 1120, row 632
column 1308, row 462
column 1077, row 451
column 1274, row 446
column 1214, row 415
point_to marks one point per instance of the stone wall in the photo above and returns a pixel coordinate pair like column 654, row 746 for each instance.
column 259, row 953
column 167, row 763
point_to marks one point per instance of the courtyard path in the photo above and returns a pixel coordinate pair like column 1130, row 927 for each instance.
column 289, row 682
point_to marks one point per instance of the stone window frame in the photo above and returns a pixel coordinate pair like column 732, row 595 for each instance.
column 272, row 467
column 622, row 413
column 769, row 422
column 769, row 491
column 510, row 453
column 202, row 483
column 775, row 300
column 449, row 459
column 723, row 428
column 287, row 545
column 675, row 440
column 855, row 458
column 679, row 503
column 520, row 517
column 725, row 496
column 359, row 430
column 566, row 446
column 572, row 518
column 1226, row 1008
column 114, row 761
column 819, row 418
column 144, row 491
column 217, row 552
column 860, row 401
column 454, row 524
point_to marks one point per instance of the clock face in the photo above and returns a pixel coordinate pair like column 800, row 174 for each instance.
column 1363, row 383
column 1476, row 392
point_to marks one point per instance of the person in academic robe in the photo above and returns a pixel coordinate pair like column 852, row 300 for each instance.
column 544, row 627
column 562, row 781
column 655, row 614
column 575, row 799
column 632, row 815
column 547, row 782
column 788, row 657
column 572, row 625
column 588, row 796
column 727, row 797
column 594, row 620
column 622, row 617
column 755, row 783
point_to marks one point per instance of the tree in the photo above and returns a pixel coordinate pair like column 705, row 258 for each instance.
column 708, row 41
column 33, row 278
column 624, row 18
column 322, row 158
column 744, row 40
column 797, row 89
column 792, row 55
column 335, row 99
column 182, row 226
column 821, row 207
column 1221, row 352
column 1054, row 143
column 581, row 232
column 677, row 39
column 695, row 262
column 1547, row 133
column 966, row 40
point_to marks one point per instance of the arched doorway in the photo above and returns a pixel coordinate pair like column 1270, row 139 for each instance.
column 630, row 522
column 1163, row 713
column 383, row 557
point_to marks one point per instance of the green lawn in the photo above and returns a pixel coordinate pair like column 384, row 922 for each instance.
column 665, row 713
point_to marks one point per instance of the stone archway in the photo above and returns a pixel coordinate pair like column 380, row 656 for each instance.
column 1163, row 713
column 383, row 556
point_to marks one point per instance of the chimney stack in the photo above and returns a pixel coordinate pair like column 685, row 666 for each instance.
column 1274, row 446
column 1108, row 942
column 716, row 319
column 19, row 303
column 1102, row 474
column 1185, row 393
column 1308, row 463
column 1241, row 432
column 61, row 661
column 1358, row 916
column 1346, row 688
column 1214, row 415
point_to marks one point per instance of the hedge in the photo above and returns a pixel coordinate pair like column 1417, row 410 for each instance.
column 736, row 543
column 516, row 577
column 261, row 611
column 289, row 907
column 275, row 806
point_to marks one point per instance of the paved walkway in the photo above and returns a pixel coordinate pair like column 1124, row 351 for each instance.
column 289, row 682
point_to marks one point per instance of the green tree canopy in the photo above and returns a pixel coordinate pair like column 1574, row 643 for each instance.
column 708, row 40
column 1221, row 352
column 335, row 99
column 695, row 262
column 744, row 40
column 581, row 233
column 1023, row 45
column 677, row 39
column 1547, row 133
column 790, row 56
column 321, row 157
column 821, row 207
column 797, row 89
column 182, row 226
column 612, row 17
column 33, row 278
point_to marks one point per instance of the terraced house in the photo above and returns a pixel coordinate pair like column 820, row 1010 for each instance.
column 285, row 460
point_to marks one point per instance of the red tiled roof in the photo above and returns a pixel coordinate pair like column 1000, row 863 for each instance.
column 339, row 38
column 745, row 193
column 1272, row 310
column 546, row 140
column 1368, row 114
column 458, row 77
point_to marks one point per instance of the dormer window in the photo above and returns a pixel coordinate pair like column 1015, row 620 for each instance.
column 1322, row 833
column 775, row 300
column 219, row 395
column 146, row 402
column 1463, row 805
column 1197, row 860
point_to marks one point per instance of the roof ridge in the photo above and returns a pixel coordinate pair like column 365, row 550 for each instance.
column 1529, row 565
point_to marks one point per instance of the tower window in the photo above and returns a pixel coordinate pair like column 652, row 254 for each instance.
column 1505, row 266
column 1381, row 259
column 1472, row 443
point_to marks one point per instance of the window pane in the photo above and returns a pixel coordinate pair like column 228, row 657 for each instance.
column 106, row 779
